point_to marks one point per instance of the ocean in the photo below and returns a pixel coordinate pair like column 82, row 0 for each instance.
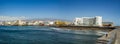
column 45, row 35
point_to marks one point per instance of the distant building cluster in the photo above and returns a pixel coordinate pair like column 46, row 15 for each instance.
column 26, row 23
column 83, row 21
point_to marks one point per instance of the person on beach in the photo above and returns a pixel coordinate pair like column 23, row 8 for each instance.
column 106, row 34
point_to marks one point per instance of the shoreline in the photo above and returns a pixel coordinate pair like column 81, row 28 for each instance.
column 79, row 27
column 86, row 28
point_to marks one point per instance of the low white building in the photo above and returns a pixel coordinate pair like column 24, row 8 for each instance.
column 48, row 23
column 88, row 21
column 51, row 23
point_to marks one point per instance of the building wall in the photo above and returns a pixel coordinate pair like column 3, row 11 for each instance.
column 78, row 21
column 98, row 21
column 86, row 21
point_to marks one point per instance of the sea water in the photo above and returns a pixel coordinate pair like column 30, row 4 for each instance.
column 45, row 35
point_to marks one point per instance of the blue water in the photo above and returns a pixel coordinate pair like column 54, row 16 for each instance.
column 43, row 35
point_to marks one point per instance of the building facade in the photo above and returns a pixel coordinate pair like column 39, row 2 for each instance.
column 88, row 21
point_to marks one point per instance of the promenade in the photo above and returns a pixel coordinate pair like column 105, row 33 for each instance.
column 112, row 37
column 117, row 38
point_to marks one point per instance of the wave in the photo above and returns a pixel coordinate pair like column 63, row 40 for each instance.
column 86, row 32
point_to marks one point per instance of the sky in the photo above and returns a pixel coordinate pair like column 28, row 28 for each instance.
column 62, row 9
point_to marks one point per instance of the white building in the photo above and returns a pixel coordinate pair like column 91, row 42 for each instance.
column 88, row 21
column 78, row 21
